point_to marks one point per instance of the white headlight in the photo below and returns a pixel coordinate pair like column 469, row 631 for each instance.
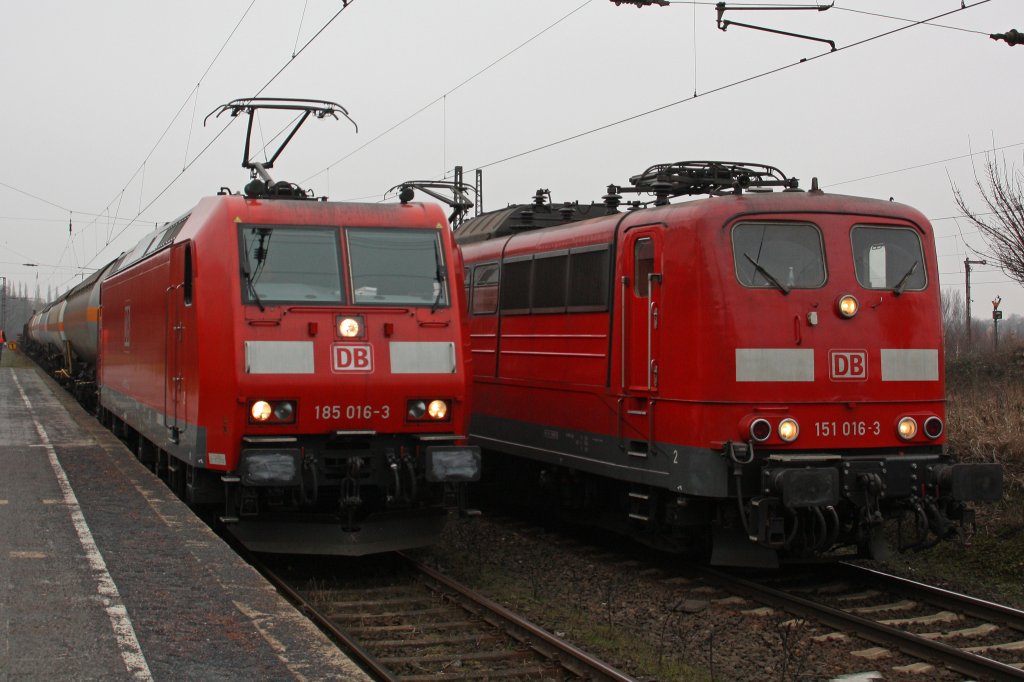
column 789, row 430
column 437, row 409
column 261, row 411
column 907, row 428
column 349, row 327
column 847, row 305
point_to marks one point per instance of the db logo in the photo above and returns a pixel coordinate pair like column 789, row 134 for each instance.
column 848, row 365
column 352, row 358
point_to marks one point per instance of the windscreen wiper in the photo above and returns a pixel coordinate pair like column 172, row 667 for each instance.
column 898, row 289
column 250, row 284
column 439, row 278
column 767, row 275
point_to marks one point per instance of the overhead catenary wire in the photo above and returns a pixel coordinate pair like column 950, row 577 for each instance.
column 728, row 86
column 346, row 4
column 33, row 196
column 925, row 165
column 444, row 95
column 141, row 169
column 111, row 234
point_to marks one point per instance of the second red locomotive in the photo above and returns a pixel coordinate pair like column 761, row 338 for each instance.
column 759, row 371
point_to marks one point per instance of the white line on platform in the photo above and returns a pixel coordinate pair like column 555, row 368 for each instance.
column 124, row 632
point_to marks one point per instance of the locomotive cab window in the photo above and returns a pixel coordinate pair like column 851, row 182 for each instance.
column 394, row 266
column 643, row 265
column 778, row 255
column 888, row 258
column 290, row 264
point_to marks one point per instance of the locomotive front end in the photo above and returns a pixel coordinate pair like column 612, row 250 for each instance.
column 839, row 421
column 352, row 399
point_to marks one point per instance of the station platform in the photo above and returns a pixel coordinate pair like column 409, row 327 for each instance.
column 106, row 575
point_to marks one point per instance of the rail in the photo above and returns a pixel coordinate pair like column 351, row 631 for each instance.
column 962, row 660
column 386, row 629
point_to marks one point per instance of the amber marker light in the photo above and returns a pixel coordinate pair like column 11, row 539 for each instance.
column 789, row 430
column 907, row 428
column 847, row 305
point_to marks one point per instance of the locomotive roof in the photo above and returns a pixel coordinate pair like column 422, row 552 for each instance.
column 525, row 217
column 522, row 217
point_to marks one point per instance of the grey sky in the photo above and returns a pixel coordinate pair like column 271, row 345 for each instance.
column 104, row 103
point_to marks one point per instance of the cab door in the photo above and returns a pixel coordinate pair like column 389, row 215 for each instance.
column 640, row 294
column 641, row 297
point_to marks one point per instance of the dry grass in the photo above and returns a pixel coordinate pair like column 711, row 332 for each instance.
column 985, row 417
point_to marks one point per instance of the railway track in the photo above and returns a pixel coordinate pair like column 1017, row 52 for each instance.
column 970, row 636
column 417, row 625
column 859, row 616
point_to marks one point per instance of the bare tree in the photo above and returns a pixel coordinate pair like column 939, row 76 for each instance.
column 1002, row 226
column 954, row 322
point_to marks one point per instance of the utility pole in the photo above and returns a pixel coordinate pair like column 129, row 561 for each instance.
column 967, row 273
column 997, row 315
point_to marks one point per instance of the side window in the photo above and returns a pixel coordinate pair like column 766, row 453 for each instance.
column 515, row 285
column 778, row 255
column 643, row 265
column 888, row 258
column 485, row 289
column 554, row 282
column 550, row 275
column 588, row 279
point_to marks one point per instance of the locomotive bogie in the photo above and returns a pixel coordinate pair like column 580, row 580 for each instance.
column 769, row 363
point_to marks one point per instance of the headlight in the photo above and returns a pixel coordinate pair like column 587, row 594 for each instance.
column 907, row 428
column 437, row 409
column 272, row 412
column 349, row 327
column 427, row 410
column 261, row 411
column 789, row 430
column 847, row 305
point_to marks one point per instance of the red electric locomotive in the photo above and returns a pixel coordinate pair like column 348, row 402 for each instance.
column 297, row 363
column 758, row 370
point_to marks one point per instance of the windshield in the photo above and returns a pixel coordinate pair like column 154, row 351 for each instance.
column 397, row 267
column 290, row 264
column 888, row 258
column 780, row 255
